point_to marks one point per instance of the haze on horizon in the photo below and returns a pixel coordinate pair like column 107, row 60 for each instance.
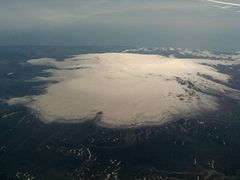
column 202, row 24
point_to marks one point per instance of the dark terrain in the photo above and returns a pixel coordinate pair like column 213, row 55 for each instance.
column 203, row 148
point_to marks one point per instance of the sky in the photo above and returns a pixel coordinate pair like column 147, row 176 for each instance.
column 196, row 24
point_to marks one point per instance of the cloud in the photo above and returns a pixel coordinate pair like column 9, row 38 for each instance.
column 225, row 3
column 128, row 90
column 178, row 23
column 25, row 13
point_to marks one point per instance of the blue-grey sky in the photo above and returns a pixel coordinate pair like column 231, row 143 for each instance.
column 199, row 24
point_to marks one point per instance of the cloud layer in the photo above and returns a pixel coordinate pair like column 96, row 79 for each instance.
column 125, row 90
column 178, row 23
